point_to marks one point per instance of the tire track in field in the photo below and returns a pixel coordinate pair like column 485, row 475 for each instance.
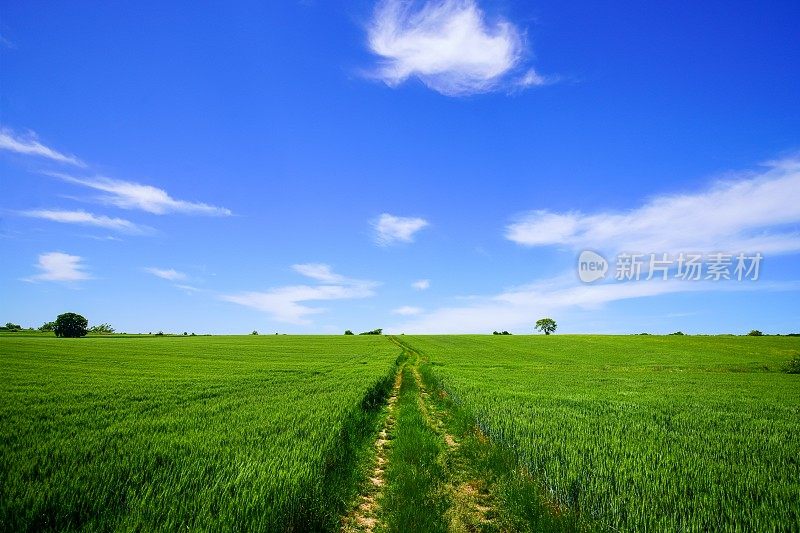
column 364, row 518
column 472, row 506
column 482, row 485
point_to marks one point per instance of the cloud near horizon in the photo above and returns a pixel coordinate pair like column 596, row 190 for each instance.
column 517, row 307
column 750, row 212
column 30, row 145
column 390, row 229
column 449, row 45
column 58, row 266
column 287, row 304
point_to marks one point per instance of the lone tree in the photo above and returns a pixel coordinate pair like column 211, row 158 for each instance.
column 70, row 325
column 546, row 325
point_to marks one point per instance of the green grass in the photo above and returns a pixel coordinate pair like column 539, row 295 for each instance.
column 413, row 499
column 631, row 433
column 168, row 433
column 513, row 500
column 639, row 433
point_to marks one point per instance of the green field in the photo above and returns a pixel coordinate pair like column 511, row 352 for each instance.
column 640, row 433
column 168, row 433
column 276, row 433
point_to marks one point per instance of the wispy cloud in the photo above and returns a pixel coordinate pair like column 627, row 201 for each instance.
column 166, row 273
column 450, row 45
column 189, row 289
column 131, row 195
column 407, row 310
column 390, row 229
column 533, row 79
column 29, row 144
column 319, row 271
column 86, row 219
column 753, row 211
column 421, row 284
column 288, row 304
column 58, row 266
column 103, row 238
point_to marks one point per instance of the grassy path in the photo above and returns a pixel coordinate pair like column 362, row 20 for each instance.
column 434, row 471
column 471, row 506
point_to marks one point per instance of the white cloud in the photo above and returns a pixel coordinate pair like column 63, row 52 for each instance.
column 407, row 310
column 541, row 227
column 390, row 229
column 533, row 79
column 130, row 195
column 166, row 273
column 318, row 271
column 57, row 266
column 752, row 212
column 287, row 304
column 421, row 284
column 189, row 289
column 86, row 219
column 29, row 145
column 448, row 44
column 519, row 307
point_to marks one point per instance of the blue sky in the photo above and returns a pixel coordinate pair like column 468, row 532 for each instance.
column 308, row 167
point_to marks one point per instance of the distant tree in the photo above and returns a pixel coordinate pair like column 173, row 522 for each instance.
column 12, row 327
column 254, row 332
column 160, row 334
column 378, row 331
column 504, row 332
column 755, row 333
column 47, row 326
column 70, row 325
column 185, row 334
column 546, row 325
column 102, row 329
column 348, row 332
column 678, row 333
column 495, row 333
